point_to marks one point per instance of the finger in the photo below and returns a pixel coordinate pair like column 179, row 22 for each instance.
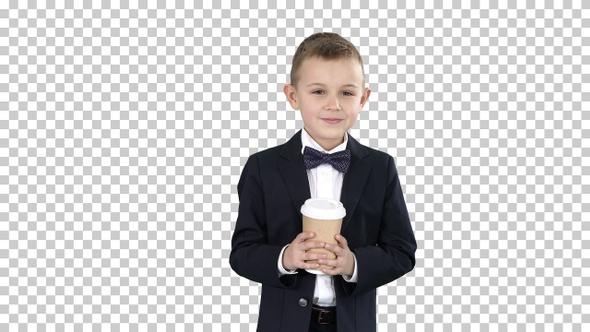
column 310, row 265
column 332, row 266
column 329, row 262
column 304, row 236
column 336, row 249
column 314, row 256
column 336, row 262
column 330, row 270
column 307, row 245
column 341, row 240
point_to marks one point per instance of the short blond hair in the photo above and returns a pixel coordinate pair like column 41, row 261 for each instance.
column 326, row 46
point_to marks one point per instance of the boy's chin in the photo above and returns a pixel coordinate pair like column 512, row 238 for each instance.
column 327, row 132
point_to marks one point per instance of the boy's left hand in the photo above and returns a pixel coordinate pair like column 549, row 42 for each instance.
column 343, row 263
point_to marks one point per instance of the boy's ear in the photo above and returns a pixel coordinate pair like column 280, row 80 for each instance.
column 365, row 96
column 291, row 95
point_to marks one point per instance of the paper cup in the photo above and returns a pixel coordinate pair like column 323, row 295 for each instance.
column 323, row 217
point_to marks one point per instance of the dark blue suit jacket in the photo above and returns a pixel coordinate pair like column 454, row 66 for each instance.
column 272, row 189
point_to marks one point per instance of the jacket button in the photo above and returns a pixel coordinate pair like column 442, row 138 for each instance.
column 303, row 302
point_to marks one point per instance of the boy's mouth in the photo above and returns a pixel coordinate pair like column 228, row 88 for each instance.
column 331, row 120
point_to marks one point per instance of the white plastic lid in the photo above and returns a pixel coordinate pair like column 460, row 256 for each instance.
column 323, row 208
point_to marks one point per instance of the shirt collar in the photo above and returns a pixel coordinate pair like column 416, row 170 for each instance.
column 307, row 140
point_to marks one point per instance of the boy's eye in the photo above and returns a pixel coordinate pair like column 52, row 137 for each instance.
column 347, row 93
column 318, row 92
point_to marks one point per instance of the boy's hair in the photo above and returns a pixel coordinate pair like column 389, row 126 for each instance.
column 326, row 46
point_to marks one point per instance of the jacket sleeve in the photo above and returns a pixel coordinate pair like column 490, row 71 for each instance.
column 394, row 253
column 252, row 256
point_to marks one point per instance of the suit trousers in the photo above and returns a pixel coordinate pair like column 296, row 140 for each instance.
column 316, row 327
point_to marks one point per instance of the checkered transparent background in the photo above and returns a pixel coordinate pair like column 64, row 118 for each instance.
column 124, row 126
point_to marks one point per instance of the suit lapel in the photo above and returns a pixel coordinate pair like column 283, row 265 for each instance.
column 293, row 171
column 355, row 179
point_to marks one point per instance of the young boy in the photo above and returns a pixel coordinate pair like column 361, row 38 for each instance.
column 376, row 244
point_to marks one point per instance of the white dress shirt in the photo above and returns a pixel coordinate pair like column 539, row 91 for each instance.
column 325, row 182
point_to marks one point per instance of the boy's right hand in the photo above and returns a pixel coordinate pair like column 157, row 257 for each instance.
column 296, row 255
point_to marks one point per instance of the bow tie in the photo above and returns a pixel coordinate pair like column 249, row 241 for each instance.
column 314, row 158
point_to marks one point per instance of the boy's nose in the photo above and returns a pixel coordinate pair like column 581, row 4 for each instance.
column 333, row 103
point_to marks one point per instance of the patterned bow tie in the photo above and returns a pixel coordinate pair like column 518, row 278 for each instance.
column 314, row 158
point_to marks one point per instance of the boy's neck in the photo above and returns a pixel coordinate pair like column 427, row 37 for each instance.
column 328, row 145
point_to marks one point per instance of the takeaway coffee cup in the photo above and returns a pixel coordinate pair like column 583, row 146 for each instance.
column 322, row 216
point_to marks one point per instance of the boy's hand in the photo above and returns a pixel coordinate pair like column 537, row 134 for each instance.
column 343, row 263
column 295, row 255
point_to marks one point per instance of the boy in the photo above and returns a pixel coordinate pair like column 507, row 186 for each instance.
column 376, row 244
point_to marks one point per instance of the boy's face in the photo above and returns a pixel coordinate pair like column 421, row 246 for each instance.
column 330, row 95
